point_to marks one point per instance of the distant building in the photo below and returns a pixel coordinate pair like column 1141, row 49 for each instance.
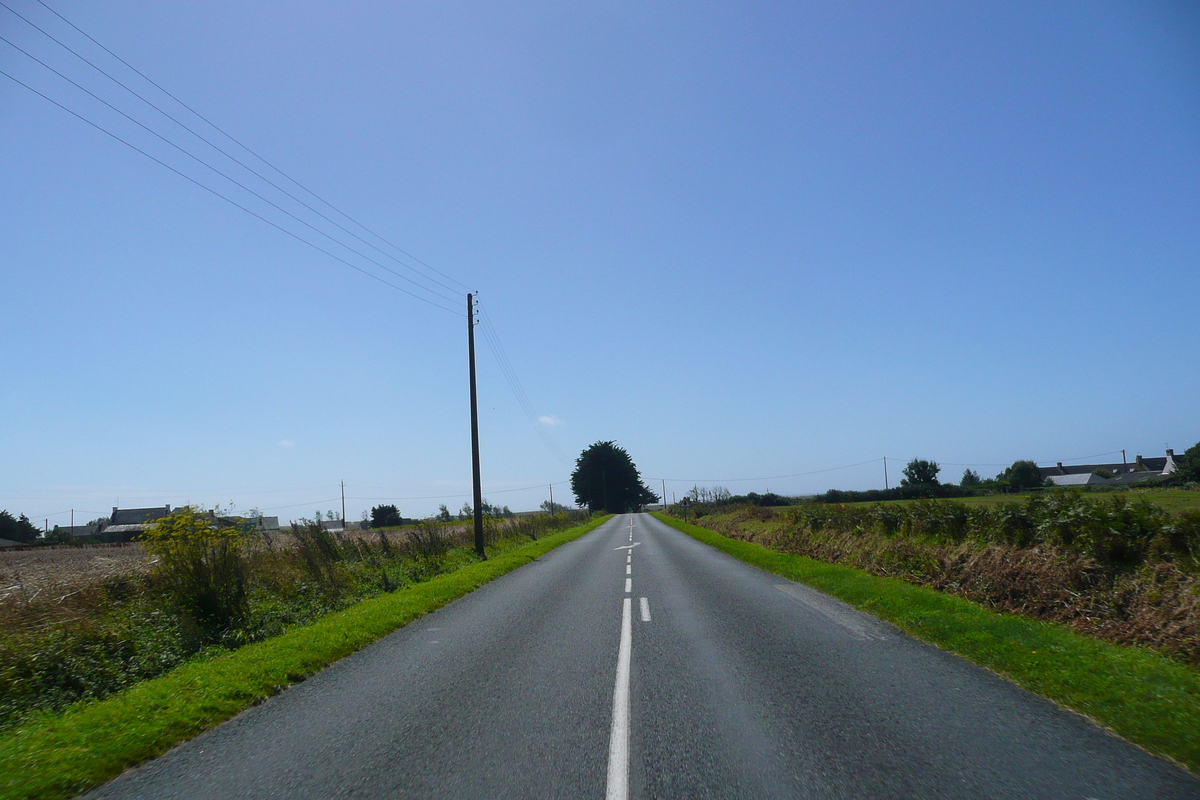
column 1123, row 474
column 126, row 523
column 6, row 543
column 79, row 531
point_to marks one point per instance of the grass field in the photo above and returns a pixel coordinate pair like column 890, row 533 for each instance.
column 59, row 755
column 1146, row 698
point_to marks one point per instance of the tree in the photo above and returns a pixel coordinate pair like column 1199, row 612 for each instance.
column 17, row 529
column 605, row 478
column 1189, row 465
column 443, row 514
column 970, row 478
column 1023, row 474
column 385, row 516
column 549, row 507
column 920, row 472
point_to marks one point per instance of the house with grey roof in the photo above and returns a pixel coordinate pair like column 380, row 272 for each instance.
column 127, row 523
column 1154, row 469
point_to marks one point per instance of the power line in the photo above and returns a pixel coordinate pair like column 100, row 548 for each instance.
column 230, row 137
column 230, row 156
column 769, row 477
column 466, row 494
column 234, row 181
column 514, row 383
column 227, row 199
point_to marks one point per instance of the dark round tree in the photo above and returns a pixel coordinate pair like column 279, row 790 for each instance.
column 1023, row 474
column 1189, row 464
column 605, row 478
column 920, row 472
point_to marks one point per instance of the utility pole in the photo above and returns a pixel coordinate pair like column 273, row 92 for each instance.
column 664, row 497
column 885, row 478
column 343, row 504
column 604, row 477
column 552, row 498
column 475, row 430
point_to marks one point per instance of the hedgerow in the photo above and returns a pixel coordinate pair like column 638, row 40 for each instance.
column 1123, row 570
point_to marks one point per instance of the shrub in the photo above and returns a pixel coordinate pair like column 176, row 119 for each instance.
column 319, row 554
column 428, row 540
column 203, row 564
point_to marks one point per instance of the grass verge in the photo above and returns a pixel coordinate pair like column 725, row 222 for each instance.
column 61, row 755
column 1143, row 697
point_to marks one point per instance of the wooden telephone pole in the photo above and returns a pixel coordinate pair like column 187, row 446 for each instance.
column 475, row 431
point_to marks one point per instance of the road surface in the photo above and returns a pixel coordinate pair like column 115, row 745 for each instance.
column 636, row 662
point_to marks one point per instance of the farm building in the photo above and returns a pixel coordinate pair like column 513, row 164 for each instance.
column 1123, row 474
column 128, row 523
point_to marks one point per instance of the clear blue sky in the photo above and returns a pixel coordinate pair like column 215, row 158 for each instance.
column 740, row 239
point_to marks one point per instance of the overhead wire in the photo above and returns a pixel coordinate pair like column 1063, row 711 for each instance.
column 492, row 337
column 229, row 200
column 490, row 333
column 232, row 180
column 769, row 477
column 246, row 148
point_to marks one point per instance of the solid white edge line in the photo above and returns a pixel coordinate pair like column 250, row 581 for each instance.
column 618, row 739
column 645, row 609
column 629, row 584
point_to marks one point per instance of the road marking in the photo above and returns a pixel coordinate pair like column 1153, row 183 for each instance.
column 629, row 558
column 618, row 739
column 628, row 569
column 645, row 609
column 627, row 546
column 629, row 584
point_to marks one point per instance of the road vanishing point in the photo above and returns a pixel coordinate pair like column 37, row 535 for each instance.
column 637, row 662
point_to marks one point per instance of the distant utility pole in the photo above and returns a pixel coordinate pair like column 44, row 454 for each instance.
column 343, row 504
column 885, row 478
column 552, row 498
column 664, row 498
column 474, row 430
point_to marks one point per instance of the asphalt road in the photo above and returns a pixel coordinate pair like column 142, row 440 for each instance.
column 560, row 681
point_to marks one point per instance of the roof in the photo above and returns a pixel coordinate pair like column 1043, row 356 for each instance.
column 9, row 543
column 134, row 516
column 1137, row 477
column 1085, row 479
column 134, row 528
column 1140, row 467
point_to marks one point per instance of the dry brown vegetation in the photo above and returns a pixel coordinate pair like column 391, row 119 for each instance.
column 80, row 622
column 51, row 574
column 1153, row 601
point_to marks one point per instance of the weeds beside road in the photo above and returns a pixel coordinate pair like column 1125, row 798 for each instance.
column 1123, row 571
column 82, row 624
column 58, row 755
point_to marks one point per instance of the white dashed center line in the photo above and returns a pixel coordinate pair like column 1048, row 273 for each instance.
column 618, row 739
column 645, row 609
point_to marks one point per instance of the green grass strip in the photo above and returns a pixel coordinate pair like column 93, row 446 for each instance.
column 64, row 754
column 1141, row 696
